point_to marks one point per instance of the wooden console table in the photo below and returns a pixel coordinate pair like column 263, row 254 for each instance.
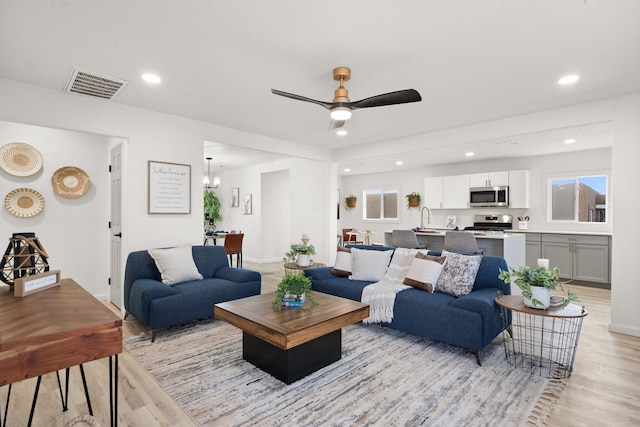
column 55, row 329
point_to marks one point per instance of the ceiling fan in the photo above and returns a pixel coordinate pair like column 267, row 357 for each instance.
column 341, row 107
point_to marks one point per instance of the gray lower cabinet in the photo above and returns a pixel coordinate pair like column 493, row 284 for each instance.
column 533, row 249
column 579, row 257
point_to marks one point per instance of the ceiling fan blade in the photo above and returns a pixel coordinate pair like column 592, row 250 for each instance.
column 336, row 124
column 391, row 98
column 327, row 105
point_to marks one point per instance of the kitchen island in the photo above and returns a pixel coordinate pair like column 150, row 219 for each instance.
column 509, row 246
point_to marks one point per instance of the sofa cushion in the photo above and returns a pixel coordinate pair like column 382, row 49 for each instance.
column 176, row 264
column 369, row 265
column 425, row 271
column 342, row 266
column 459, row 273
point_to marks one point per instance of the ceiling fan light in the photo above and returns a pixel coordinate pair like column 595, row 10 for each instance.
column 340, row 113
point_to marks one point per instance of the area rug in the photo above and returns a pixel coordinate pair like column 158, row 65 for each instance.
column 385, row 378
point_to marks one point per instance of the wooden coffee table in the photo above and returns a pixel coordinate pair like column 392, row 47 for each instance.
column 291, row 343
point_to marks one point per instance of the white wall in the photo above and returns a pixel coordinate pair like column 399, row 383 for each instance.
column 73, row 232
column 295, row 192
column 625, row 287
column 150, row 136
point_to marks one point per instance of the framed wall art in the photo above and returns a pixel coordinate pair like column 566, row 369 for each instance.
column 169, row 188
column 235, row 197
column 247, row 208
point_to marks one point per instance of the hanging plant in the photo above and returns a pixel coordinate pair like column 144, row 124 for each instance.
column 350, row 202
column 413, row 200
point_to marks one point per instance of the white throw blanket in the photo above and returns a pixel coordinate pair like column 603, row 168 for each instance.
column 381, row 296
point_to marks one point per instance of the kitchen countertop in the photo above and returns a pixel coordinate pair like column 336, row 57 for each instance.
column 440, row 232
column 583, row 233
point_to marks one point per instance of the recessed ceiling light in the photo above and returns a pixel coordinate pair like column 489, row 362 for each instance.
column 399, row 163
column 569, row 141
column 151, row 78
column 341, row 132
column 568, row 79
column 347, row 170
column 468, row 154
column 513, row 142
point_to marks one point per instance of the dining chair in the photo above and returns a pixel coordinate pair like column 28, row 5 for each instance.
column 406, row 239
column 463, row 242
column 350, row 239
column 233, row 245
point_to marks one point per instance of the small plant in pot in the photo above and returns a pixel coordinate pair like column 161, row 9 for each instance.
column 294, row 290
column 413, row 200
column 300, row 253
column 536, row 284
column 350, row 202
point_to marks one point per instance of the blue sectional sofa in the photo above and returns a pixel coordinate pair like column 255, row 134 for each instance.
column 160, row 306
column 471, row 321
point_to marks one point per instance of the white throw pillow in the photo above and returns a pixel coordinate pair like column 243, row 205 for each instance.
column 425, row 271
column 342, row 267
column 176, row 265
column 369, row 264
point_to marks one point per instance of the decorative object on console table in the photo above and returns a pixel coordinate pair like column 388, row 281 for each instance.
column 536, row 284
column 350, row 202
column 24, row 256
column 413, row 200
column 294, row 290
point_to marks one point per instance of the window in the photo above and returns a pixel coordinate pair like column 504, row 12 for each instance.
column 579, row 199
column 380, row 204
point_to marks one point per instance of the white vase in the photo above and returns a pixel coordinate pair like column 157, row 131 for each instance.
column 541, row 294
column 304, row 260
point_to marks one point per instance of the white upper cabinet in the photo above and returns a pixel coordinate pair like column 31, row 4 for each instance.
column 519, row 189
column 455, row 192
column 433, row 192
column 490, row 179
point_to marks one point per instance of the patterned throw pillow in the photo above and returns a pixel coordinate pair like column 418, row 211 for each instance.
column 459, row 273
column 342, row 266
column 425, row 271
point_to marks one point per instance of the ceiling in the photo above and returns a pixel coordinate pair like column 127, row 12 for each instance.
column 471, row 61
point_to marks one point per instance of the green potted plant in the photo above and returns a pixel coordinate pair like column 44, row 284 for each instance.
column 211, row 209
column 300, row 253
column 536, row 284
column 413, row 200
column 294, row 290
column 350, row 202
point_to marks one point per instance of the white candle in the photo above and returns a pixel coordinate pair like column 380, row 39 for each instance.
column 305, row 236
column 543, row 262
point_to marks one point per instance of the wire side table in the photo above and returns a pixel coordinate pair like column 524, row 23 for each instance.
column 292, row 267
column 540, row 341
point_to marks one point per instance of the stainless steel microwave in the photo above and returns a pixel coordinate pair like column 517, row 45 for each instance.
column 489, row 196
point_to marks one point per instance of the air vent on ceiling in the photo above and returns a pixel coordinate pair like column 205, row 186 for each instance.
column 92, row 84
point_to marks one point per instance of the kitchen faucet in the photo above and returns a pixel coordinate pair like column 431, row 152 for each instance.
column 422, row 217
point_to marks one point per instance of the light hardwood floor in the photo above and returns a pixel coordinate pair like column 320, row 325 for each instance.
column 604, row 388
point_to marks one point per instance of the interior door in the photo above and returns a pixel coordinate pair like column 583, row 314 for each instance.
column 115, row 290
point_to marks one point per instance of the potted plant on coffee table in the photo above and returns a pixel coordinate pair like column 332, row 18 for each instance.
column 300, row 253
column 536, row 284
column 294, row 290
